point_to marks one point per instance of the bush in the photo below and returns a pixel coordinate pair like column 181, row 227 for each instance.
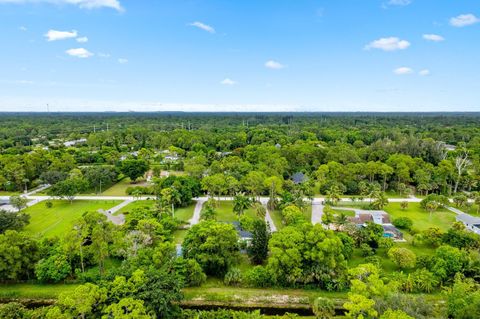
column 258, row 277
column 366, row 250
column 48, row 204
column 233, row 277
column 140, row 190
column 403, row 223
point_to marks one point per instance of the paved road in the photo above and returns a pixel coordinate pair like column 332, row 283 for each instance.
column 268, row 217
column 317, row 211
column 197, row 212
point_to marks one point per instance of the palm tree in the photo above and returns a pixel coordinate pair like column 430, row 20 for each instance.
column 380, row 200
column 241, row 203
column 333, row 194
column 341, row 219
column 431, row 207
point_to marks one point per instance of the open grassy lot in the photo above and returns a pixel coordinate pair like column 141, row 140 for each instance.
column 346, row 212
column 134, row 205
column 119, row 189
column 182, row 213
column 277, row 216
column 225, row 212
column 422, row 220
column 34, row 291
column 4, row 193
column 49, row 222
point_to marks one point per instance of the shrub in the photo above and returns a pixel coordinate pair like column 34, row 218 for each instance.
column 233, row 277
column 403, row 223
column 48, row 204
column 366, row 250
column 258, row 277
column 402, row 257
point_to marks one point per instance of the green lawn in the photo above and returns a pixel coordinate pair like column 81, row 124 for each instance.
column 34, row 291
column 225, row 212
column 134, row 205
column 422, row 220
column 119, row 189
column 49, row 222
column 183, row 213
column 346, row 212
column 5, row 193
column 277, row 218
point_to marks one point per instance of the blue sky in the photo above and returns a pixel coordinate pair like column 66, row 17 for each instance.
column 232, row 55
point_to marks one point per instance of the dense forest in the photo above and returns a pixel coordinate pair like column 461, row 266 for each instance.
column 261, row 164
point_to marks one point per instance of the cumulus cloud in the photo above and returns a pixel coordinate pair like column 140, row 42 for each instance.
column 399, row 2
column 274, row 65
column 228, row 81
column 82, row 40
column 464, row 20
column 202, row 26
column 388, row 44
column 403, row 70
column 122, row 61
column 79, row 53
column 433, row 37
column 84, row 4
column 424, row 72
column 55, row 35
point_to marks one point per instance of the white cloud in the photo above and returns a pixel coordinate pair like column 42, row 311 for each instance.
column 399, row 2
column 22, row 28
column 202, row 26
column 388, row 44
column 424, row 72
column 403, row 70
column 79, row 53
column 228, row 81
column 463, row 20
column 122, row 61
column 433, row 37
column 103, row 55
column 274, row 65
column 82, row 40
column 84, row 4
column 54, row 35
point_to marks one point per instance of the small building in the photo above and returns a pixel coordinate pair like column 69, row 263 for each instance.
column 4, row 202
column 299, row 178
column 471, row 223
column 75, row 142
column 244, row 235
column 378, row 217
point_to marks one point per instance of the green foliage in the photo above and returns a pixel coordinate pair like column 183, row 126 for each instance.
column 13, row 221
column 403, row 223
column 323, row 308
column 18, row 256
column 463, row 299
column 258, row 249
column 68, row 188
column 213, row 245
column 402, row 257
column 191, row 271
column 133, row 168
column 292, row 215
column 53, row 269
column 233, row 277
column 258, row 277
column 19, row 202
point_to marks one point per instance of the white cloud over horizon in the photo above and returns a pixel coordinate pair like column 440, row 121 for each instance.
column 228, row 81
column 403, row 70
column 274, row 65
column 388, row 44
column 83, row 4
column 79, row 53
column 433, row 37
column 202, row 26
column 424, row 72
column 464, row 20
column 55, row 35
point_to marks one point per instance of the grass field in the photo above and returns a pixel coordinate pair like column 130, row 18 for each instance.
column 4, row 193
column 277, row 216
column 34, row 291
column 225, row 212
column 346, row 212
column 119, row 189
column 134, row 205
column 49, row 222
column 422, row 220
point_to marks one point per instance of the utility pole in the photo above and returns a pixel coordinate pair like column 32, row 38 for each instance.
column 94, row 129
column 107, row 127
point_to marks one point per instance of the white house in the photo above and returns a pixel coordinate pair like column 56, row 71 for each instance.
column 471, row 223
